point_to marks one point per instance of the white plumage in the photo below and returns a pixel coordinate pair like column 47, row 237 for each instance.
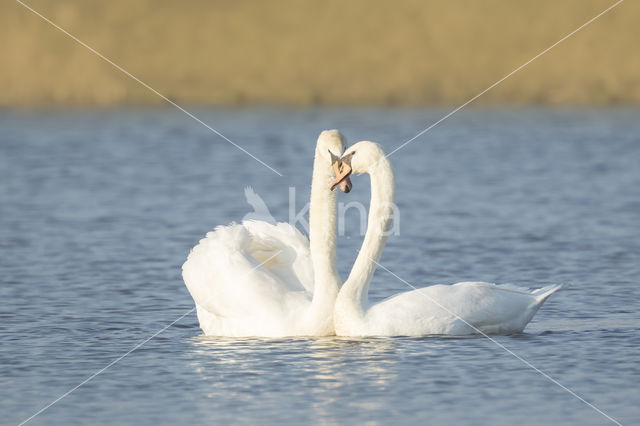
column 261, row 279
column 458, row 309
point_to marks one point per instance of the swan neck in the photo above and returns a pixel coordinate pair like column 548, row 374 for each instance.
column 322, row 235
column 355, row 290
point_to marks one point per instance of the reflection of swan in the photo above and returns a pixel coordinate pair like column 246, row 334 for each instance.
column 260, row 279
column 463, row 308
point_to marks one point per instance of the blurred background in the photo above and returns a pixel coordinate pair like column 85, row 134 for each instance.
column 318, row 53
column 103, row 192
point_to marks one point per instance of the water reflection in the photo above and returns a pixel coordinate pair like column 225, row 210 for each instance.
column 94, row 232
column 325, row 371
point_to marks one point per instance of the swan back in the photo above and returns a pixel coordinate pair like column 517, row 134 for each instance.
column 250, row 279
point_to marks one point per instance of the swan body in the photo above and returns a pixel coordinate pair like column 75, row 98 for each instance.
column 267, row 279
column 458, row 309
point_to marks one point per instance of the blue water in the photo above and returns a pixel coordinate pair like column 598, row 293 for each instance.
column 98, row 211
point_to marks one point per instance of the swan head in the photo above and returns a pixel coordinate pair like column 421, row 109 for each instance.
column 330, row 146
column 361, row 157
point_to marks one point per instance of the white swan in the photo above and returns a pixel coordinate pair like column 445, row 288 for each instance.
column 458, row 309
column 261, row 279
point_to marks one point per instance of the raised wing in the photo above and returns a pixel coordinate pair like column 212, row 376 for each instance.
column 253, row 269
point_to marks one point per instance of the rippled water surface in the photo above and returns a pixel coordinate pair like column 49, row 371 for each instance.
column 99, row 210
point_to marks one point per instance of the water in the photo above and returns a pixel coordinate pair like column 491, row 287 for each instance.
column 99, row 210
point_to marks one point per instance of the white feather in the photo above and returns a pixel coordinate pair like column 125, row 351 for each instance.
column 463, row 308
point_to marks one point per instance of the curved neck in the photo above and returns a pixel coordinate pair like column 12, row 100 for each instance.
column 322, row 239
column 353, row 296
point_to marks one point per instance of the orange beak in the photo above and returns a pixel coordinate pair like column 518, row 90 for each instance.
column 342, row 180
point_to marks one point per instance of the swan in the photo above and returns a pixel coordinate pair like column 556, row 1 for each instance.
column 268, row 280
column 459, row 309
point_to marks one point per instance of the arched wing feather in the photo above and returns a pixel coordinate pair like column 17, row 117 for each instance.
column 252, row 269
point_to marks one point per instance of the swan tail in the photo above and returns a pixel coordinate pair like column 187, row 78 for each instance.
column 543, row 293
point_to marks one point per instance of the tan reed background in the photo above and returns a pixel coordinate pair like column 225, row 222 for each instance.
column 318, row 52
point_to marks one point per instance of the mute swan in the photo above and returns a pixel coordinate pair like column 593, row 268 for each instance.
column 458, row 309
column 261, row 279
